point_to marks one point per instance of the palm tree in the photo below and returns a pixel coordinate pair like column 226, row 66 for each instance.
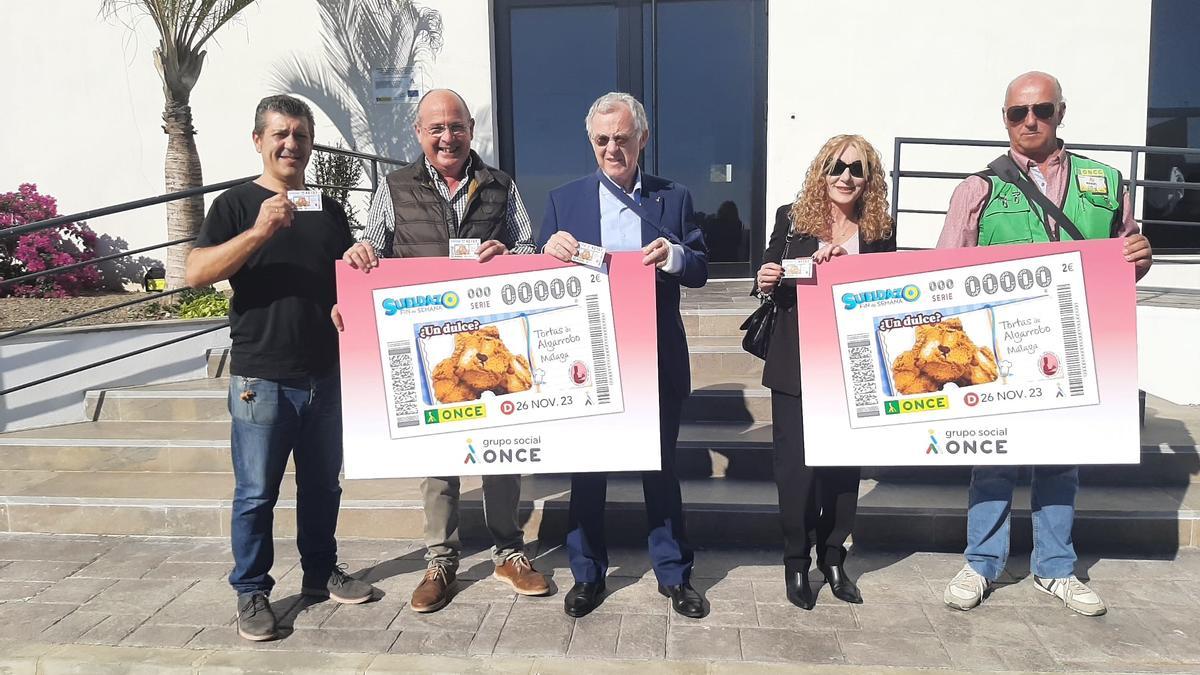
column 360, row 35
column 184, row 26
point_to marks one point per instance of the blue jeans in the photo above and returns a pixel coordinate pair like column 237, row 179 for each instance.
column 1052, row 501
column 272, row 419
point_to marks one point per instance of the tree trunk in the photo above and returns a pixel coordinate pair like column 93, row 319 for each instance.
column 182, row 171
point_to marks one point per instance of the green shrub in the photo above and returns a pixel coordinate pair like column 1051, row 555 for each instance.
column 199, row 303
column 338, row 173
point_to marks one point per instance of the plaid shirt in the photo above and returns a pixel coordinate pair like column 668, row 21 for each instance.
column 381, row 219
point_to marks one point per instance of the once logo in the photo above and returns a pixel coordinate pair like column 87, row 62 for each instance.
column 459, row 414
column 511, row 455
column 914, row 405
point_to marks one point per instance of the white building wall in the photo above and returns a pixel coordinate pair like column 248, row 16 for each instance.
column 938, row 68
column 83, row 104
column 87, row 130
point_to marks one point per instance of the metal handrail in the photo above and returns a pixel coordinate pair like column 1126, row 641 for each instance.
column 121, row 208
column 1132, row 182
column 180, row 194
column 14, row 232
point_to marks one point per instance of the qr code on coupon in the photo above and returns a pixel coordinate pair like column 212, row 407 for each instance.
column 862, row 375
column 404, row 387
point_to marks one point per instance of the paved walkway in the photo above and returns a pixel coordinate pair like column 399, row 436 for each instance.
column 114, row 604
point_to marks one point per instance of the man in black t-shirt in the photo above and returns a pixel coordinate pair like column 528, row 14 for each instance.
column 284, row 394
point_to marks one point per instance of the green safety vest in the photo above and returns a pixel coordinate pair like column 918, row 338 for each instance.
column 1093, row 203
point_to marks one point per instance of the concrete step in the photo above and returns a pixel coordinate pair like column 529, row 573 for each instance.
column 724, row 512
column 721, row 402
column 218, row 363
column 202, row 400
column 203, row 447
column 718, row 396
column 717, row 404
column 715, row 321
column 727, row 448
column 714, row 359
column 721, row 357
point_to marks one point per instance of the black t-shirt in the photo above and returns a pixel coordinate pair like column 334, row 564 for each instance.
column 279, row 315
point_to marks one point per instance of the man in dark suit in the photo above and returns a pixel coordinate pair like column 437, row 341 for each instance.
column 622, row 209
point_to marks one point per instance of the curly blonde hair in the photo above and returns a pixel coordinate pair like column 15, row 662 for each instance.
column 812, row 212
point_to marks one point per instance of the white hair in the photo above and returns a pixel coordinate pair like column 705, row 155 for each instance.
column 609, row 102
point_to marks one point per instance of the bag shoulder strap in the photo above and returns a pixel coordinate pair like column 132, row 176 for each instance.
column 1009, row 172
column 637, row 208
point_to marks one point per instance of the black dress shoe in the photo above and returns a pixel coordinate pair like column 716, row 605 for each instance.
column 843, row 586
column 799, row 593
column 583, row 597
column 685, row 600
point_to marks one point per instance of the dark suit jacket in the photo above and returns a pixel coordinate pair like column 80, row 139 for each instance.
column 575, row 208
column 781, row 372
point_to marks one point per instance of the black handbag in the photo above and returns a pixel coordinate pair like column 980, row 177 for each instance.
column 758, row 327
column 761, row 322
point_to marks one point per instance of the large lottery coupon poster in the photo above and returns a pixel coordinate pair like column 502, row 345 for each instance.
column 522, row 364
column 999, row 355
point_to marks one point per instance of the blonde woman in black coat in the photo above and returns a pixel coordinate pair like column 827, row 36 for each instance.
column 841, row 210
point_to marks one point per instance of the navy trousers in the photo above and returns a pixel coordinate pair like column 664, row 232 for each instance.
column 670, row 553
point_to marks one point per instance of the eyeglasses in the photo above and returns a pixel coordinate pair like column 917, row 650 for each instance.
column 1043, row 111
column 602, row 141
column 455, row 130
column 839, row 167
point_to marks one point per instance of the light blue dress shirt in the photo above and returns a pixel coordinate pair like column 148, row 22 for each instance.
column 621, row 228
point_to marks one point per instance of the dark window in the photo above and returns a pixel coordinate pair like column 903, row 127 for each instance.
column 1173, row 120
column 699, row 67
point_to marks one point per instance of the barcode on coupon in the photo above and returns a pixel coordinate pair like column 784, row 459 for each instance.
column 1069, row 315
column 598, row 331
column 404, row 385
column 862, row 375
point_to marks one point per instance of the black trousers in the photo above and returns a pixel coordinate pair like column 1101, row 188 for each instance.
column 817, row 505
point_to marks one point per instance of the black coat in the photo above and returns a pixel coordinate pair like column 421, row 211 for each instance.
column 781, row 372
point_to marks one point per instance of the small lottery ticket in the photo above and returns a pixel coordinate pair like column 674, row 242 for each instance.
column 798, row 268
column 464, row 249
column 590, row 255
column 305, row 200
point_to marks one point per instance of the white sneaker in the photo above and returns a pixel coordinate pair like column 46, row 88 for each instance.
column 965, row 591
column 1074, row 594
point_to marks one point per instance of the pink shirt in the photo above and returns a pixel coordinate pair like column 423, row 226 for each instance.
column 966, row 204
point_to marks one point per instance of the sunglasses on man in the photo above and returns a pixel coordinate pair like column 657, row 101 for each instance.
column 839, row 167
column 1043, row 111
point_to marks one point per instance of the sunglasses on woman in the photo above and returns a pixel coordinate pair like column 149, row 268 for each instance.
column 839, row 167
column 1042, row 111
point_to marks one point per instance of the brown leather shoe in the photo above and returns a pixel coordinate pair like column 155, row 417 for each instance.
column 518, row 572
column 433, row 592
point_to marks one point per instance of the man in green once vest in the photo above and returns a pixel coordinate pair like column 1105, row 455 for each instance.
column 985, row 211
column 449, row 194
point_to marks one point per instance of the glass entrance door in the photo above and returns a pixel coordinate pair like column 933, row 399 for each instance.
column 699, row 66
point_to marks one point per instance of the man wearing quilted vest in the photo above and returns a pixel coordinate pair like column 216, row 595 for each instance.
column 987, row 210
column 448, row 194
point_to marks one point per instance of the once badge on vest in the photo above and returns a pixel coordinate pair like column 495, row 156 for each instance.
column 1091, row 180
